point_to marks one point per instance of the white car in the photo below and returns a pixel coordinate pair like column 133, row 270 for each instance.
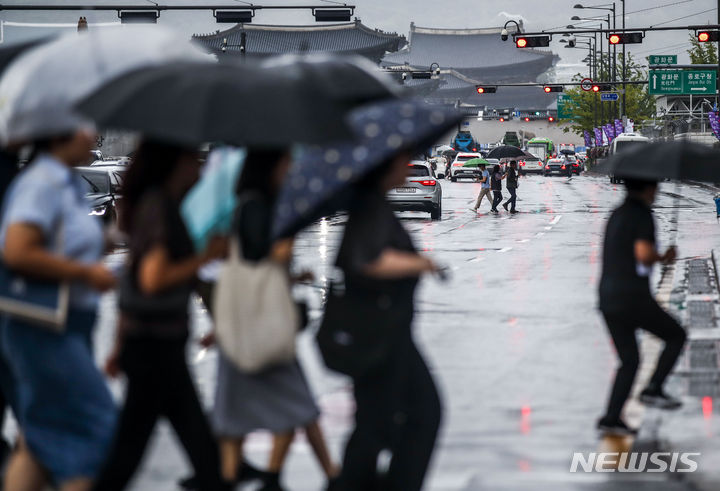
column 458, row 171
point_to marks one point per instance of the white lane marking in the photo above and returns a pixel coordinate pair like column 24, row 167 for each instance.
column 477, row 260
column 505, row 249
column 539, row 234
column 523, row 241
column 548, row 228
column 555, row 220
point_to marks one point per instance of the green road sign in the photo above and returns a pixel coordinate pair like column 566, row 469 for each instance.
column 563, row 107
column 679, row 82
column 662, row 59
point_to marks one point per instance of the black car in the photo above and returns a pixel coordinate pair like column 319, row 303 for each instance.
column 103, row 195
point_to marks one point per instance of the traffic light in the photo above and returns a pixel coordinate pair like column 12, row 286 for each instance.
column 551, row 119
column 485, row 89
column 626, row 38
column 526, row 119
column 708, row 36
column 553, row 88
column 532, row 42
column 502, row 120
column 602, row 88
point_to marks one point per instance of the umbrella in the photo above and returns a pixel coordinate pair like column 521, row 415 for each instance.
column 203, row 102
column 444, row 148
column 666, row 160
column 321, row 178
column 505, row 152
column 353, row 80
column 208, row 207
column 529, row 156
column 38, row 90
column 567, row 151
column 8, row 54
column 475, row 163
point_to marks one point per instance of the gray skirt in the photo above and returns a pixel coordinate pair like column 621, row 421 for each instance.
column 277, row 400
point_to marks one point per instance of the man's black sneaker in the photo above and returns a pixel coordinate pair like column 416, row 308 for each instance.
column 659, row 399
column 513, row 212
column 494, row 211
column 618, row 428
column 246, row 472
column 505, row 205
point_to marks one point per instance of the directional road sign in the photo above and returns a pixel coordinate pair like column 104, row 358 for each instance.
column 609, row 96
column 679, row 82
column 662, row 59
column 563, row 107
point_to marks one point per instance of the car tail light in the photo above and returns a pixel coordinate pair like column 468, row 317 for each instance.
column 576, row 165
column 522, row 164
column 458, row 164
column 547, row 166
column 428, row 183
column 474, row 149
column 563, row 167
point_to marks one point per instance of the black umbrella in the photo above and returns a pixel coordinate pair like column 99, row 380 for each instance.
column 198, row 102
column 567, row 151
column 505, row 152
column 666, row 160
column 9, row 53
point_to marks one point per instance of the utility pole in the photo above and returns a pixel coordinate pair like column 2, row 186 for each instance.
column 624, row 66
column 717, row 99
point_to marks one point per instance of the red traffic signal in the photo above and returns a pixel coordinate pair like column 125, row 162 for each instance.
column 552, row 88
column 550, row 119
column 626, row 38
column 527, row 120
column 602, row 88
column 708, row 36
column 532, row 42
column 502, row 120
column 481, row 89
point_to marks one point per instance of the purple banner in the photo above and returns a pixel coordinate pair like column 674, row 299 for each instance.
column 598, row 137
column 714, row 123
column 610, row 132
column 619, row 127
column 588, row 139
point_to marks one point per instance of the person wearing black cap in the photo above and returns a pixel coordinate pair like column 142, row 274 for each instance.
column 626, row 302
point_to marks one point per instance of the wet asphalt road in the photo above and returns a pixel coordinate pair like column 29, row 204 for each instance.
column 514, row 341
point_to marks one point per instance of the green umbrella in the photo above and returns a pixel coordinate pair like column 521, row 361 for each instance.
column 475, row 163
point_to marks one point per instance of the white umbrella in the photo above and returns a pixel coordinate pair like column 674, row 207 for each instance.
column 40, row 88
column 443, row 148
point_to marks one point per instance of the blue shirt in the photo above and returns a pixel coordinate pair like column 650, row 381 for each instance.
column 486, row 184
column 50, row 196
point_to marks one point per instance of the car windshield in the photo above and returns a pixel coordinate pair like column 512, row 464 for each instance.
column 419, row 171
column 98, row 181
column 463, row 158
column 624, row 145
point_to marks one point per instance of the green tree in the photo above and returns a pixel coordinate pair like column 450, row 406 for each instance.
column 702, row 53
column 586, row 106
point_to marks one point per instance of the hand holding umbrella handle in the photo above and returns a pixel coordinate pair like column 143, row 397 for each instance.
column 442, row 273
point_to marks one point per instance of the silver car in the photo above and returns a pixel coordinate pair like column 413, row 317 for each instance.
column 421, row 192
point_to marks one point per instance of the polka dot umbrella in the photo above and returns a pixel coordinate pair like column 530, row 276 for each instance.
column 321, row 179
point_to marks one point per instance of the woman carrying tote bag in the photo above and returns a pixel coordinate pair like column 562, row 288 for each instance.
column 277, row 398
column 66, row 413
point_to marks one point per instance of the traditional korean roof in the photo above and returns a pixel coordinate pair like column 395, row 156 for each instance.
column 267, row 40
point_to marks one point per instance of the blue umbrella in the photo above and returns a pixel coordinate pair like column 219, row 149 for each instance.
column 321, row 177
column 208, row 208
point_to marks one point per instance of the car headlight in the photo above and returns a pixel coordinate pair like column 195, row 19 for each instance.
column 99, row 211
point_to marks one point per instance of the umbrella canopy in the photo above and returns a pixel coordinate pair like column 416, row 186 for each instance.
column 192, row 103
column 529, row 156
column 9, row 53
column 567, row 151
column 505, row 152
column 320, row 180
column 475, row 163
column 208, row 207
column 39, row 89
column 352, row 80
column 666, row 160
column 444, row 148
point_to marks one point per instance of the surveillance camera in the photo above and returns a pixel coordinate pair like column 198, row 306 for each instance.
column 504, row 34
column 571, row 41
column 404, row 76
column 437, row 71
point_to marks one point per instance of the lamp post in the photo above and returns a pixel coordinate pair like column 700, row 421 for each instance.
column 612, row 9
column 591, row 43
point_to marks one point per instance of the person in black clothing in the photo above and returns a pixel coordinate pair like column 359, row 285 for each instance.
column 512, row 185
column 496, row 185
column 627, row 303
column 398, row 407
column 151, row 339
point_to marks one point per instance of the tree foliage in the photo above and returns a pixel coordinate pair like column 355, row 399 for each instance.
column 586, row 106
column 702, row 53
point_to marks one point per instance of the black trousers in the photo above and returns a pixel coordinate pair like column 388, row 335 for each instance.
column 647, row 315
column 397, row 410
column 497, row 199
column 159, row 384
column 513, row 198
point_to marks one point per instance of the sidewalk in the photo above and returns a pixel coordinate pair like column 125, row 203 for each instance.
column 692, row 296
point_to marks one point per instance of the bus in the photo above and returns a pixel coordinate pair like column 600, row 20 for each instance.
column 542, row 148
column 511, row 138
column 464, row 142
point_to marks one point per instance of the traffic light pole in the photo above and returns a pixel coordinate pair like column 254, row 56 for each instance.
column 717, row 100
column 624, row 65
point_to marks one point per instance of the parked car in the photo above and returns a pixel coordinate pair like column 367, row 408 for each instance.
column 112, row 162
column 105, row 186
column 459, row 171
column 421, row 192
